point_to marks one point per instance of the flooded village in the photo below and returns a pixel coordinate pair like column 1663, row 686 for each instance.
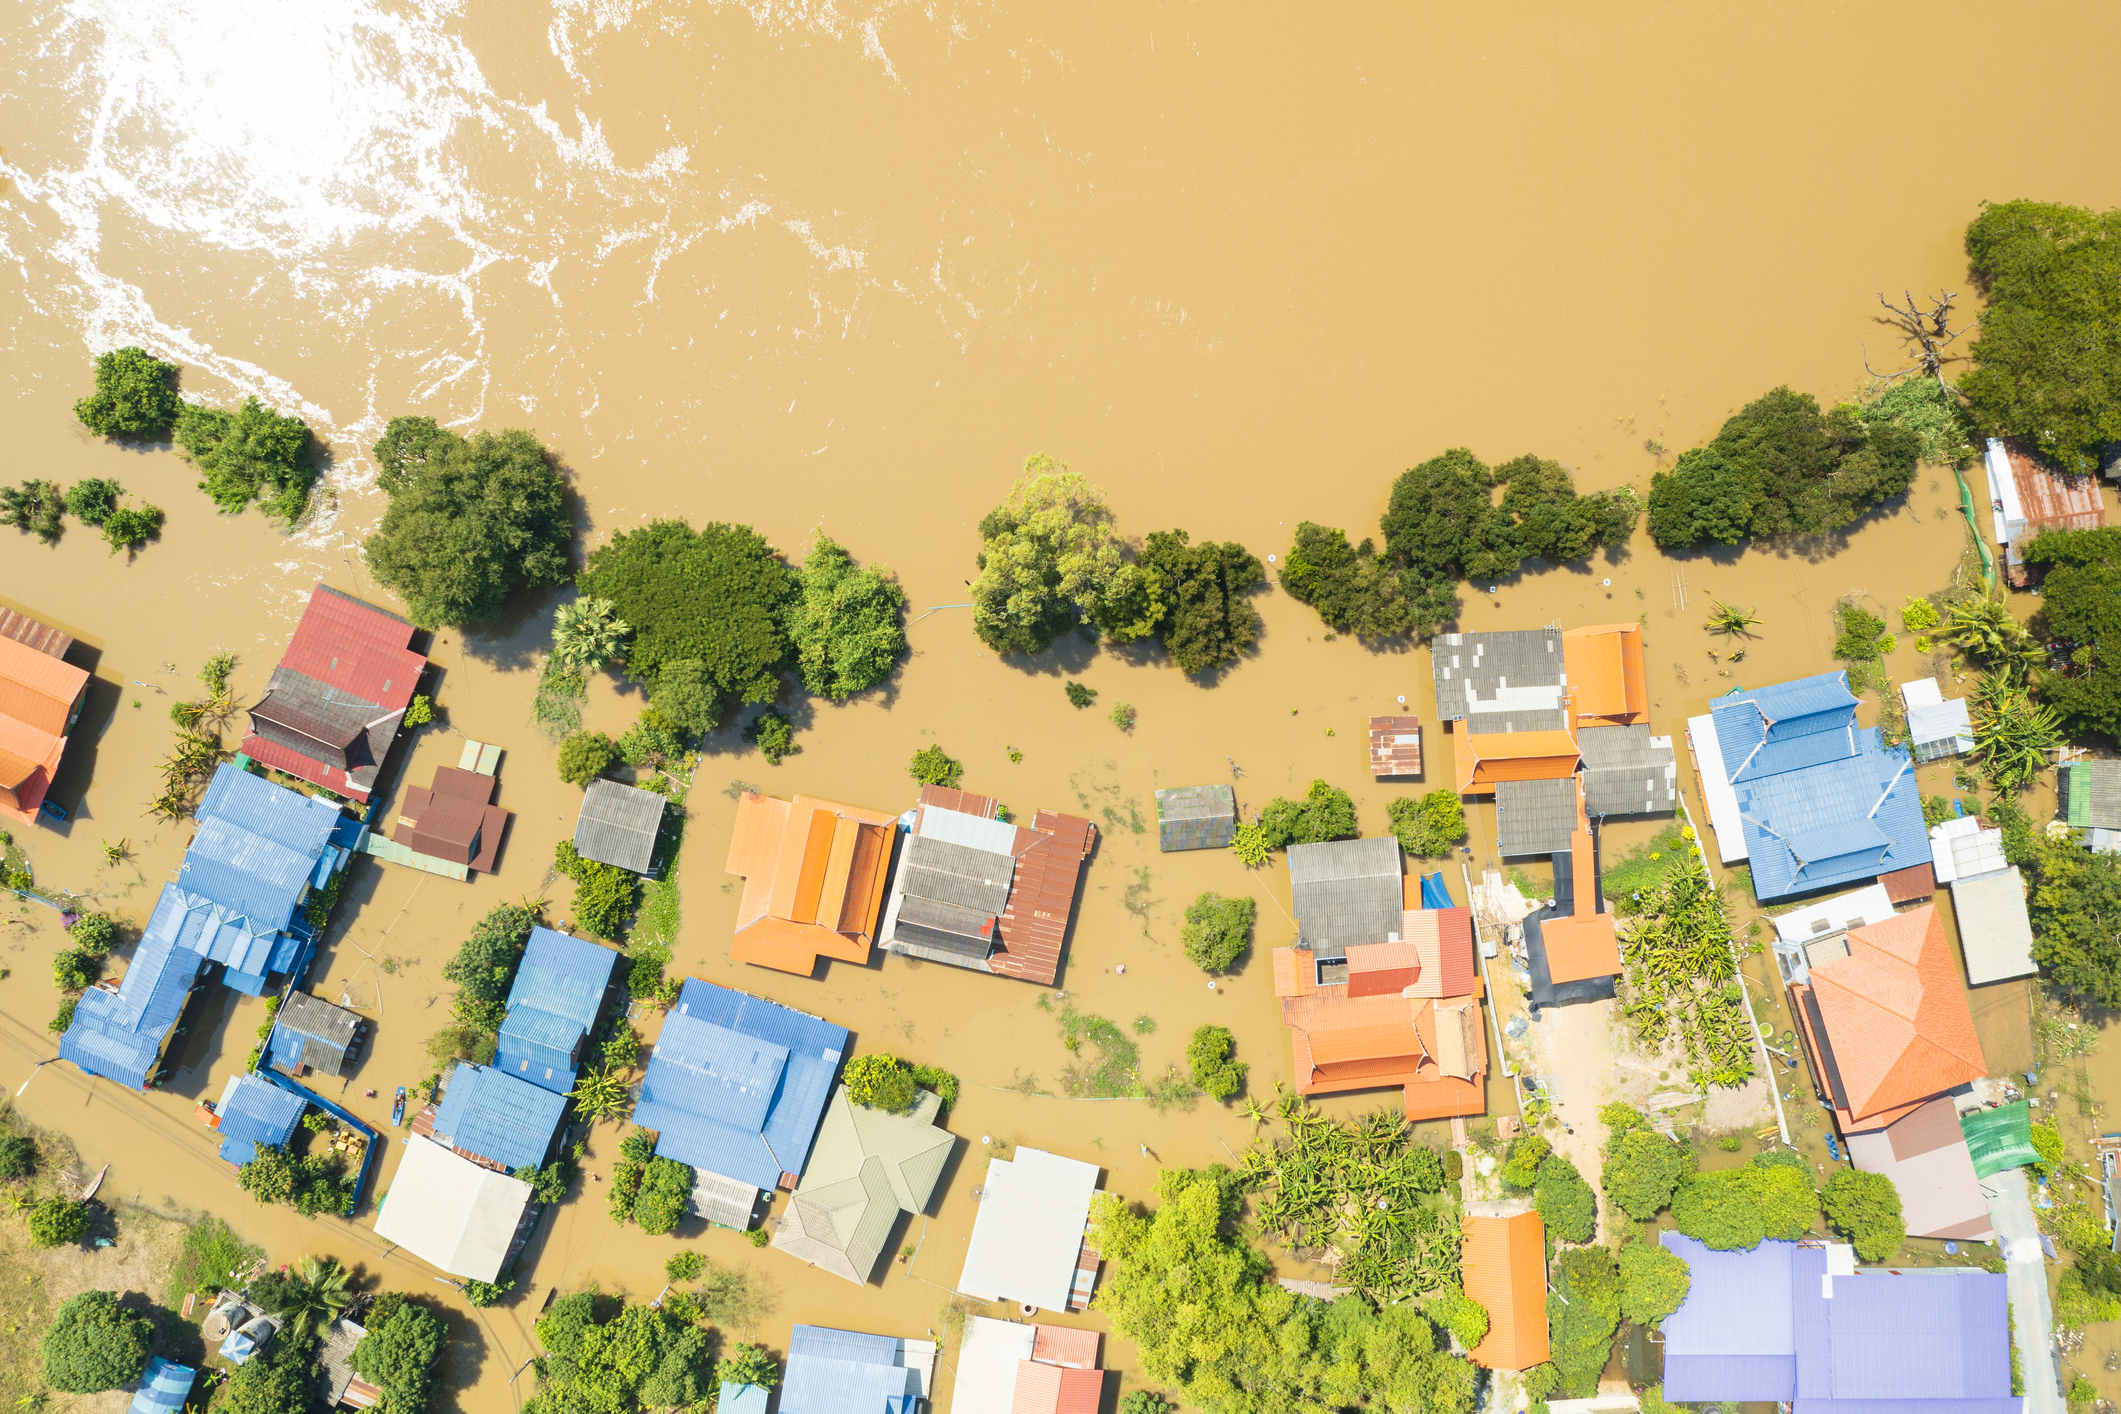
column 699, row 755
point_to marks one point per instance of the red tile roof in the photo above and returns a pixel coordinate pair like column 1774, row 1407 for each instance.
column 1395, row 746
column 1065, row 1345
column 350, row 647
column 1049, row 1389
column 1443, row 940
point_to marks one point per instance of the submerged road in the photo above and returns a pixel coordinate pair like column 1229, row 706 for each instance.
column 2011, row 1210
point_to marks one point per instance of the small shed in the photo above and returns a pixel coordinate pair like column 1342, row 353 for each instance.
column 618, row 825
column 2088, row 794
column 1936, row 727
column 311, row 1034
column 1995, row 933
column 1195, row 817
column 253, row 1112
column 164, row 1386
column 1395, row 747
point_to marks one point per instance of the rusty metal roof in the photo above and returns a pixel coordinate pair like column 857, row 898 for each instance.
column 1395, row 746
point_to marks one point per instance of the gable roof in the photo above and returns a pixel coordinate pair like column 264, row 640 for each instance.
column 1995, row 931
column 814, row 875
column 38, row 694
column 1029, row 1229
column 1346, row 892
column 1483, row 760
column 492, row 1115
column 1897, row 1028
column 258, row 849
column 450, row 1212
column 737, row 1085
column 849, row 1372
column 1442, row 939
column 118, row 1032
column 552, row 1007
column 1195, row 817
column 2090, row 794
column 618, row 825
column 253, row 1112
column 1522, row 670
column 1505, row 1268
column 1534, row 817
column 1607, row 683
column 1626, row 771
column 310, row 1031
column 453, row 819
column 338, row 697
column 1049, row 1389
column 867, row 1167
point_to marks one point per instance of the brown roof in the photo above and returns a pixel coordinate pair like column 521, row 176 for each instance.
column 451, row 819
column 31, row 634
column 1917, row 881
column 1395, row 746
column 2051, row 500
column 1607, row 684
column 1504, row 1266
column 1049, row 861
column 814, row 874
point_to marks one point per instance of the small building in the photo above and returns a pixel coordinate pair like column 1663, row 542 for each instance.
column 41, row 696
column 1195, row 817
column 553, row 1007
column 121, row 1030
column 2027, row 496
column 337, row 700
column 847, row 1372
column 2088, row 797
column 1603, row 667
column 342, row 1387
column 1510, row 681
column 1936, row 727
column 1814, row 931
column 976, row 891
column 1504, row 1261
column 495, row 1119
column 1028, row 1237
column 1626, row 772
column 741, row 1399
column 737, row 1085
column 1570, row 944
column 1395, row 747
column 814, row 875
column 1926, row 1157
column 867, row 1167
column 248, row 872
column 251, row 1112
column 1348, row 892
column 455, row 1215
column 1534, row 817
column 1023, row 1368
column 1887, row 1027
column 454, row 820
column 310, row 1034
column 163, row 1388
column 618, row 825
column 1988, row 899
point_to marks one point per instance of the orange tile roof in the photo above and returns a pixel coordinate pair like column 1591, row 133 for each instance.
column 1580, row 947
column 1344, row 1042
column 813, row 876
column 1065, row 1345
column 1049, row 1389
column 37, row 689
column 1381, row 969
column 1442, row 939
column 1503, row 1263
column 1896, row 1018
column 1607, row 684
column 1485, row 759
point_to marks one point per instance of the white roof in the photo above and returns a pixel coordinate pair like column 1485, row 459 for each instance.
column 1921, row 692
column 448, row 1210
column 2003, row 487
column 971, row 831
column 1941, row 721
column 1834, row 915
column 1716, row 790
column 1029, row 1229
column 1961, row 849
column 987, row 1361
column 1994, row 932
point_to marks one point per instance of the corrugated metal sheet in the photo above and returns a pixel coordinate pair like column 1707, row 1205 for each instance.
column 2091, row 794
column 1943, row 1337
column 22, row 629
column 451, row 1212
column 312, row 1032
column 119, row 1033
column 1049, row 864
column 1505, row 1269
column 844, row 1372
column 1534, row 817
column 493, row 1115
column 255, row 1112
column 1626, row 771
column 1994, row 931
column 1734, row 1336
column 1395, row 747
column 164, row 1387
column 1048, row 1389
column 559, row 988
column 349, row 644
column 1485, row 666
column 1195, row 817
column 618, row 825
column 2049, row 500
column 344, row 653
column 1346, row 892
column 1029, row 1229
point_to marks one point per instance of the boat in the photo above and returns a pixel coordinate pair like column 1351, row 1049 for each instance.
column 52, row 808
column 94, row 1184
column 2113, row 1214
column 397, row 1107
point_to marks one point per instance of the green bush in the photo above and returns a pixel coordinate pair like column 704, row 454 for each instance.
column 880, row 1082
column 1081, row 696
column 605, row 895
column 683, row 1266
column 1919, row 616
column 1250, row 845
column 666, row 1193
column 93, row 934
column 1217, row 931
column 310, row 1184
column 1653, row 1282
column 1865, row 1207
column 135, row 396
column 1458, row 1313
column 1565, row 1202
column 1642, row 1170
column 1859, row 634
column 2047, row 1143
column 65, row 1018
column 772, row 735
column 35, row 506
column 1583, row 1311
column 487, row 1293
column 252, row 454
column 1325, row 813
column 93, row 1344
column 586, row 756
column 56, row 1222
column 652, row 740
column 91, row 501
column 1520, row 1167
column 18, row 1156
column 932, row 766
column 1430, row 826
column 1214, row 1072
column 420, row 711
column 127, row 528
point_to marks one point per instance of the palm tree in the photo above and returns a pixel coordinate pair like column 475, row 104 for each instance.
column 2012, row 733
column 322, row 1291
column 601, row 1094
column 1983, row 629
column 1729, row 619
column 1256, row 1111
column 587, row 634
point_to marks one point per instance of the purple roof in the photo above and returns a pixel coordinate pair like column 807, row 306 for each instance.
column 1731, row 1338
column 1920, row 1337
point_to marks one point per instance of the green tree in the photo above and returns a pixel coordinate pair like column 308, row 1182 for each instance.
column 128, row 528
column 1520, row 1167
column 1217, row 931
column 1642, row 1170
column 72, row 971
column 587, row 634
column 93, row 934
column 252, row 454
column 34, row 506
column 1789, row 1201
column 93, row 1344
column 1358, row 591
column 91, row 500
column 600, row 1094
column 1197, row 599
column 469, row 520
column 1443, row 520
column 1325, row 813
column 617, row 1361
column 1565, row 1202
column 310, row 1297
column 748, row 1365
column 1652, row 1282
column 278, row 1380
column 1049, row 554
column 1430, row 826
column 771, row 734
column 1719, row 1210
column 880, row 1082
column 1215, row 1073
column 1458, row 1313
column 1865, row 1207
column 2075, row 909
column 1144, row 1401
column 135, row 396
column 2047, row 366
column 847, row 624
column 484, row 965
column 932, row 766
column 398, row 1355
column 688, row 695
column 1583, row 1311
column 586, row 756
column 55, row 1222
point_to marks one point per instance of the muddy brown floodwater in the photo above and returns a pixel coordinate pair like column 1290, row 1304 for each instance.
column 846, row 266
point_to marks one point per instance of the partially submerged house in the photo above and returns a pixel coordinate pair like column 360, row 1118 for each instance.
column 1570, row 945
column 1988, row 900
column 250, row 1112
column 867, row 1167
column 1926, row 1156
column 342, row 1387
column 1195, row 817
column 337, row 700
column 737, row 1086
column 2027, row 496
column 976, row 891
column 559, row 992
column 618, row 825
column 41, row 696
column 814, row 874
column 494, row 1119
column 260, row 850
column 1628, row 772
column 1395, row 747
column 847, row 1372
column 1347, row 892
column 121, row 1030
column 309, row 1034
column 1818, row 801
column 1504, row 1261
column 458, row 1216
column 452, row 822
column 1028, row 1242
column 1937, row 727
column 1797, row 1323
column 1026, row 1368
column 1887, row 1027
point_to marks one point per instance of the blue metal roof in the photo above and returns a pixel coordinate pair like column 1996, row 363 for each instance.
column 255, row 1112
column 496, row 1116
column 740, row 1399
column 258, row 846
column 1734, row 1330
column 559, row 986
column 163, row 1387
column 1833, row 824
column 1786, row 726
column 707, row 1080
column 119, row 1035
column 846, row 1372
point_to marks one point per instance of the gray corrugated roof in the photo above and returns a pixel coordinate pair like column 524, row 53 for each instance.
column 1993, row 927
column 1195, row 817
column 1535, row 817
column 2094, row 794
column 954, row 873
column 1627, row 771
column 618, row 825
column 1468, row 665
column 1346, row 892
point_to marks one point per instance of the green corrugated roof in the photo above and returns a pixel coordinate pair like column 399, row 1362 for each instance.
column 1999, row 1139
column 2076, row 780
column 867, row 1166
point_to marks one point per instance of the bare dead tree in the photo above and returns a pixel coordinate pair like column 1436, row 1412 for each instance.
column 1925, row 333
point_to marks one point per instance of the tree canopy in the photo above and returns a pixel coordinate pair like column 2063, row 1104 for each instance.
column 1430, row 826
column 1733, row 1209
column 1865, row 1207
column 1642, row 1170
column 1210, row 1053
column 1565, row 1202
column 398, row 1354
column 618, row 1357
column 1444, row 521
column 2047, row 366
column 1193, row 1297
column 584, row 756
column 1217, row 931
column 280, row 1379
column 1325, row 813
column 1360, row 592
column 252, row 454
column 136, row 396
column 880, row 1082
column 94, row 1344
column 707, row 607
column 1583, row 1311
column 1049, row 555
column 2080, row 606
column 469, row 520
column 1195, row 599
column 1780, row 466
column 2075, row 909
column 846, row 623
column 1652, row 1282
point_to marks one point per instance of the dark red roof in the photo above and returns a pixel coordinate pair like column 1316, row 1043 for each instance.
column 344, row 643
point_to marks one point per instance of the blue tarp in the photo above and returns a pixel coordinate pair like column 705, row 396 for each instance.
column 496, row 1116
column 1434, row 893
column 119, row 1035
column 706, row 1091
column 846, row 1372
column 164, row 1385
column 255, row 1112
column 559, row 988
